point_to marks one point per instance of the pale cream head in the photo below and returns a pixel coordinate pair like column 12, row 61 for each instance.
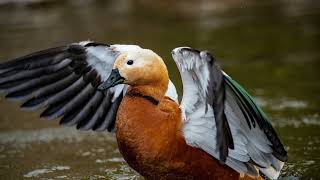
column 144, row 71
column 141, row 67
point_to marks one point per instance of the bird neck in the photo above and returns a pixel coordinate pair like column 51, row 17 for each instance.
column 154, row 93
column 155, row 90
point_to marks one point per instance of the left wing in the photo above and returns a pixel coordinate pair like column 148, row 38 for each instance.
column 222, row 119
column 64, row 81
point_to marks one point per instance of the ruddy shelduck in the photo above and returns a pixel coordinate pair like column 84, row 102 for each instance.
column 216, row 132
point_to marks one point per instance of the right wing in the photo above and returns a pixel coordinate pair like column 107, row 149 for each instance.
column 222, row 119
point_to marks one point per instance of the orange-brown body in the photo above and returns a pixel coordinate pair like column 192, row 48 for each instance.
column 149, row 134
column 150, row 139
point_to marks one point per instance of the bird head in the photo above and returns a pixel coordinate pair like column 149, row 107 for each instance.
column 138, row 67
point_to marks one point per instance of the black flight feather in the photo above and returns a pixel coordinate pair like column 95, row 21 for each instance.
column 110, row 117
column 216, row 95
column 24, row 89
column 85, row 111
column 97, row 118
column 34, row 58
column 84, row 124
column 48, row 91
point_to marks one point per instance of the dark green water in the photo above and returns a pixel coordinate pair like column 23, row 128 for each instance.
column 270, row 47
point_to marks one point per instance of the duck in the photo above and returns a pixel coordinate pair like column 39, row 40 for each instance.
column 217, row 131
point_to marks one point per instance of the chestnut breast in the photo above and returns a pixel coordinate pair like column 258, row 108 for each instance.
column 149, row 137
column 144, row 134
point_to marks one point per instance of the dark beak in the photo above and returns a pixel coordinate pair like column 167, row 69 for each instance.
column 114, row 79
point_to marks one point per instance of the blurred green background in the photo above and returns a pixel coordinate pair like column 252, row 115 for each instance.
column 270, row 47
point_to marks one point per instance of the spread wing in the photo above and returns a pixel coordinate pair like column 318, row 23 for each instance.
column 221, row 118
column 64, row 81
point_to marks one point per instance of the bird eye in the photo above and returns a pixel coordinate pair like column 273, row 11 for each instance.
column 130, row 62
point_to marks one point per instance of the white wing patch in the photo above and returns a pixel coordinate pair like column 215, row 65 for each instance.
column 102, row 59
